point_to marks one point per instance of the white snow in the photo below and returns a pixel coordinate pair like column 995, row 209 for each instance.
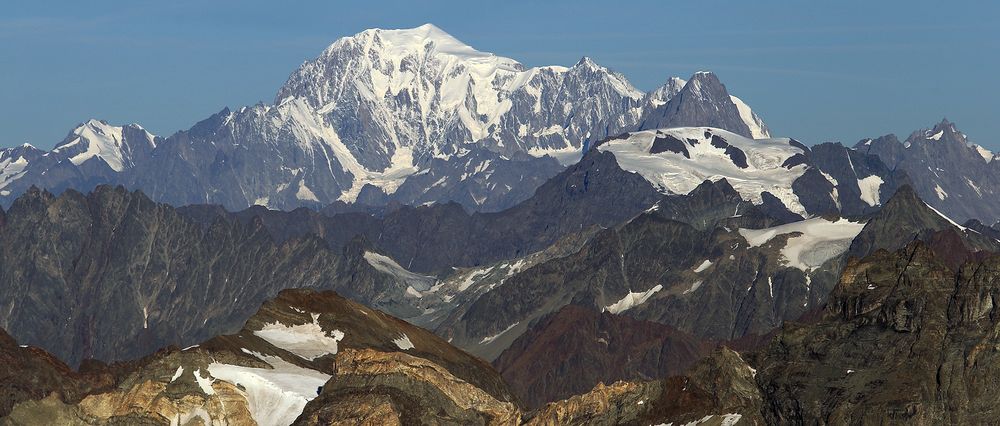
column 703, row 266
column 308, row 341
column 304, row 193
column 694, row 286
column 952, row 222
column 275, row 396
column 974, row 187
column 753, row 122
column 451, row 87
column 726, row 420
column 386, row 265
column 410, row 291
column 936, row 136
column 471, row 278
column 632, row 300
column 983, row 152
column 205, row 383
column 403, row 342
column 102, row 141
column 820, row 240
column 674, row 173
column 490, row 339
column 178, row 373
column 940, row 192
column 870, row 189
column 11, row 170
column 566, row 155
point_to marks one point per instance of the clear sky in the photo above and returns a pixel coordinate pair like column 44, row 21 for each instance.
column 816, row 71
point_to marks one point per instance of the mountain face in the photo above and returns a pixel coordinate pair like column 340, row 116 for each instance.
column 411, row 116
column 112, row 275
column 949, row 172
column 704, row 102
column 30, row 373
column 594, row 347
column 738, row 272
column 93, row 153
column 901, row 341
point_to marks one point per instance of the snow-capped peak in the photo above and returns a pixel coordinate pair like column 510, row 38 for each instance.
column 401, row 42
column 667, row 91
column 98, row 139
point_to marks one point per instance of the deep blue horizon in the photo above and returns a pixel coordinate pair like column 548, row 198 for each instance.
column 815, row 72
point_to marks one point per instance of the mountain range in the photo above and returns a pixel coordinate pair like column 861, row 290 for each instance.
column 417, row 232
column 411, row 115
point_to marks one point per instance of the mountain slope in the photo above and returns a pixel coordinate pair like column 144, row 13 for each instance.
column 112, row 275
column 732, row 275
column 901, row 341
column 948, row 171
column 593, row 347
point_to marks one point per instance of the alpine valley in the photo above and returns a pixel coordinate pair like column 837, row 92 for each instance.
column 417, row 232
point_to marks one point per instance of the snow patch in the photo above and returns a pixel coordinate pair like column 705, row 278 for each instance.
column 275, row 396
column 750, row 119
column 632, row 300
column 870, row 189
column 704, row 265
column 386, row 265
column 490, row 339
column 819, row 241
column 403, row 342
column 952, row 222
column 304, row 193
column 205, row 383
column 940, row 192
column 694, row 286
column 178, row 373
column 307, row 341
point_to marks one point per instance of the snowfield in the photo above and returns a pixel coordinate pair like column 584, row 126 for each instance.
column 819, row 240
column 633, row 299
column 275, row 396
column 677, row 173
column 308, row 341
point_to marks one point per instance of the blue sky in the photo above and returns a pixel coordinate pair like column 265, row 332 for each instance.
column 815, row 71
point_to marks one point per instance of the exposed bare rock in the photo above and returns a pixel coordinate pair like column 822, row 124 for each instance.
column 718, row 390
column 417, row 390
